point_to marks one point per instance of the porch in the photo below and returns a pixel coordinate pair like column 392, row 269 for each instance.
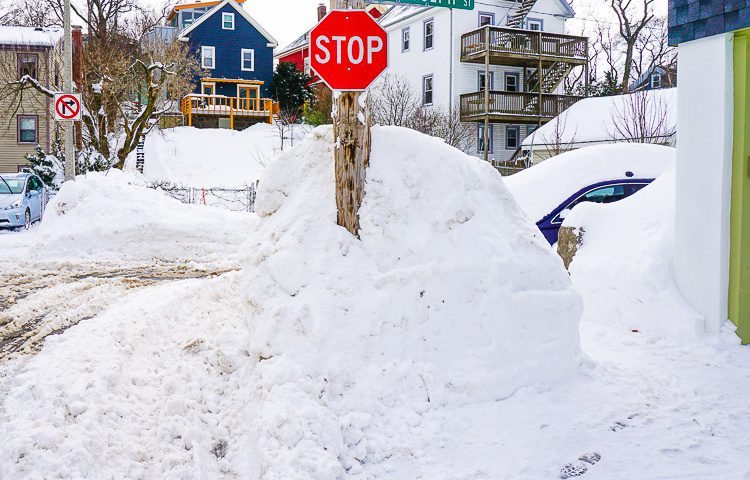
column 220, row 111
column 514, row 107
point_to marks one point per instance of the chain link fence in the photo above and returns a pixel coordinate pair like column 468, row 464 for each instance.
column 234, row 199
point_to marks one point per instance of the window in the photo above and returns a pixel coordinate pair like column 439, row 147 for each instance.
column 480, row 138
column 208, row 88
column 27, row 63
column 480, row 80
column 428, row 33
column 536, row 24
column 512, row 135
column 531, row 129
column 208, row 57
column 656, row 80
column 227, row 21
column 486, row 19
column 604, row 194
column 405, row 39
column 248, row 60
column 27, row 129
column 511, row 82
column 427, row 90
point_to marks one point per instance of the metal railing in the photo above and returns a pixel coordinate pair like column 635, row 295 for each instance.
column 234, row 199
column 532, row 43
column 515, row 104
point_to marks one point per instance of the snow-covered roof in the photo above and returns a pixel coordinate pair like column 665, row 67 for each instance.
column 271, row 41
column 592, row 119
column 30, row 36
column 400, row 12
column 543, row 187
column 298, row 43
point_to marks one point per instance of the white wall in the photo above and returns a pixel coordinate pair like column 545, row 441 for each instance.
column 704, row 159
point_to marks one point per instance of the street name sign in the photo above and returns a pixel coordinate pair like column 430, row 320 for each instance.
column 460, row 4
column 67, row 107
column 348, row 50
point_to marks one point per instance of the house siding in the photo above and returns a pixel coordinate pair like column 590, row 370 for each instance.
column 229, row 45
column 12, row 153
column 449, row 85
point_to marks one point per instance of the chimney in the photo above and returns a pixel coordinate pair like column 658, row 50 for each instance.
column 321, row 11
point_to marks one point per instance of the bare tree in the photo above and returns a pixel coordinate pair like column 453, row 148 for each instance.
column 455, row 132
column 557, row 140
column 394, row 102
column 29, row 13
column 641, row 117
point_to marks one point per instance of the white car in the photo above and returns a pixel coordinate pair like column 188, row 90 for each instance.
column 23, row 198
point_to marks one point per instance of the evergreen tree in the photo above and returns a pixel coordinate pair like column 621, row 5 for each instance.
column 42, row 165
column 290, row 88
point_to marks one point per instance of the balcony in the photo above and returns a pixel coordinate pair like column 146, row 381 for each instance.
column 197, row 106
column 514, row 107
column 522, row 48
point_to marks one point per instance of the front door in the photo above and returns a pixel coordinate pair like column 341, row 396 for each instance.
column 739, row 218
column 248, row 95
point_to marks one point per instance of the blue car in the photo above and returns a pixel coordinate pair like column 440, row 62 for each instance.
column 602, row 192
column 548, row 191
column 23, row 197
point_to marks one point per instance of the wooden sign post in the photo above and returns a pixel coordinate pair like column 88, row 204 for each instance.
column 349, row 50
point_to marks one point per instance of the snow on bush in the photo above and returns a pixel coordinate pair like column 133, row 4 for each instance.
column 115, row 216
column 451, row 296
column 624, row 267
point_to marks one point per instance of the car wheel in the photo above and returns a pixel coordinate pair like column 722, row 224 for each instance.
column 27, row 220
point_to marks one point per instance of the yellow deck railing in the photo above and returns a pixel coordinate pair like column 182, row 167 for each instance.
column 230, row 107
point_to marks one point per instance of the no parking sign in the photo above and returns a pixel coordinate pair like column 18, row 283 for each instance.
column 67, row 107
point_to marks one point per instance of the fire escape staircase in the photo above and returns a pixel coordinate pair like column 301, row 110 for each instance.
column 515, row 20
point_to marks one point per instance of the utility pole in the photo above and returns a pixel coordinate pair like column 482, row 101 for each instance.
column 70, row 169
column 351, row 128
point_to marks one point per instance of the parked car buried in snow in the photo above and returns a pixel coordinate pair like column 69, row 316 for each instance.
column 23, row 197
column 548, row 191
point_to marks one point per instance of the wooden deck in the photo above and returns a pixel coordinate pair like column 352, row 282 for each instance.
column 522, row 48
column 227, row 107
column 514, row 107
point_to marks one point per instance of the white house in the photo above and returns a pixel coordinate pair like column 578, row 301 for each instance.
column 443, row 52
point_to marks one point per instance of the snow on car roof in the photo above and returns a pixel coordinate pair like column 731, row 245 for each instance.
column 541, row 188
column 30, row 36
column 591, row 119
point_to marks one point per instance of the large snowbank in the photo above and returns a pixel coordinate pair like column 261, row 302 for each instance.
column 114, row 216
column 624, row 267
column 327, row 356
column 451, row 296
column 197, row 157
column 543, row 187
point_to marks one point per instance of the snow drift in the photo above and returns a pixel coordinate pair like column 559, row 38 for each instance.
column 114, row 216
column 450, row 297
column 624, row 268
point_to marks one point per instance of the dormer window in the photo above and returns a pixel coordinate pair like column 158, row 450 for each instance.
column 656, row 80
column 227, row 21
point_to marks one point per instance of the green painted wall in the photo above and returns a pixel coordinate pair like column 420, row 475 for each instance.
column 739, row 263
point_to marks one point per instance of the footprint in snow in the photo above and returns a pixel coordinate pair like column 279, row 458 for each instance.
column 579, row 468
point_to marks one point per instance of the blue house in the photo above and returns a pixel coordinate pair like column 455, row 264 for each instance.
column 236, row 55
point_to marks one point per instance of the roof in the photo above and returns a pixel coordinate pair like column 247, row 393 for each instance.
column 646, row 76
column 194, row 4
column 543, row 187
column 591, row 120
column 298, row 43
column 271, row 41
column 30, row 36
column 692, row 20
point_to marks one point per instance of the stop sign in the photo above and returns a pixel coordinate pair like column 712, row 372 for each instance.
column 348, row 50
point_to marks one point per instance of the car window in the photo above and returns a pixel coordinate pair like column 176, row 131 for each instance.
column 35, row 184
column 15, row 184
column 605, row 194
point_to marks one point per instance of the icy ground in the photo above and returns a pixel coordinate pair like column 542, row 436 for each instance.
column 157, row 382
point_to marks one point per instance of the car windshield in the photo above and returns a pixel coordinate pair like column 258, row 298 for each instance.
column 11, row 185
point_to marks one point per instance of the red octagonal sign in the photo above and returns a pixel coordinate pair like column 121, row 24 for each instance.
column 348, row 50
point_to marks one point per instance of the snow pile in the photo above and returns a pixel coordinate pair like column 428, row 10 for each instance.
column 624, row 269
column 450, row 297
column 114, row 215
column 543, row 187
column 212, row 157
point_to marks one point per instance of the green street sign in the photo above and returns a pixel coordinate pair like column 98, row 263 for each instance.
column 460, row 4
